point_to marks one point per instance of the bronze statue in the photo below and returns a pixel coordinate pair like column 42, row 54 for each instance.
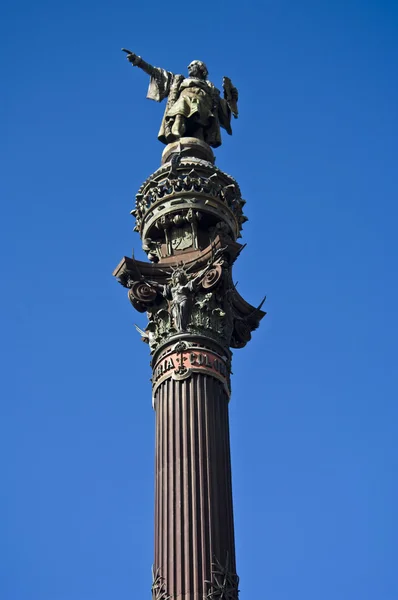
column 194, row 105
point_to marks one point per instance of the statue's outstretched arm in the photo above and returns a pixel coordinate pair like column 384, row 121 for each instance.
column 137, row 61
column 155, row 285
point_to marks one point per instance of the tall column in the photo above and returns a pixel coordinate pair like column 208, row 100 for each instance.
column 189, row 214
column 194, row 529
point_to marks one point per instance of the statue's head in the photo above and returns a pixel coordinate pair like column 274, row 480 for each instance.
column 197, row 68
column 179, row 276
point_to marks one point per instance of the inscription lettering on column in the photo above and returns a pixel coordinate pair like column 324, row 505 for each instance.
column 180, row 364
column 164, row 367
column 208, row 360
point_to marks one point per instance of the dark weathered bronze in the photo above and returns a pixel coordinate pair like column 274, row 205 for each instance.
column 189, row 215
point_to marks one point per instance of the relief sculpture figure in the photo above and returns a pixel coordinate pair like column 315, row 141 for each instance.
column 179, row 292
column 194, row 105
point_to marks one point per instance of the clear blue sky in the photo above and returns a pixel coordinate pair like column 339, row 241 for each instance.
column 314, row 406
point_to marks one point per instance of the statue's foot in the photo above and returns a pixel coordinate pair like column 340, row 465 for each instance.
column 171, row 137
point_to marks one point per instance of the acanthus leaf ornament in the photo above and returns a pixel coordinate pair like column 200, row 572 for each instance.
column 224, row 584
column 159, row 586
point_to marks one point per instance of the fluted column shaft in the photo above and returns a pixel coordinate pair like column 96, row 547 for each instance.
column 193, row 490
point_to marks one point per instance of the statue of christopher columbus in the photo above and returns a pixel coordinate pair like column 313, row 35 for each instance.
column 194, row 105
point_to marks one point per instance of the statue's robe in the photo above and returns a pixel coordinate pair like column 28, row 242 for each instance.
column 195, row 99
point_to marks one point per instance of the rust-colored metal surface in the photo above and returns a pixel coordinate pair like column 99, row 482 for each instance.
column 193, row 491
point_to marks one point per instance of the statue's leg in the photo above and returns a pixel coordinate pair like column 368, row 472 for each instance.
column 178, row 129
column 175, row 311
column 167, row 130
column 185, row 313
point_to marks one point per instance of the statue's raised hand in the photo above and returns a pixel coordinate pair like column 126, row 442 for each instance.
column 131, row 57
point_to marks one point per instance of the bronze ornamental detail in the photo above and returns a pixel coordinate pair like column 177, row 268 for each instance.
column 224, row 584
column 159, row 586
column 195, row 191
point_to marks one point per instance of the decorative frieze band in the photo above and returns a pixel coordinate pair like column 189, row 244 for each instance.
column 183, row 359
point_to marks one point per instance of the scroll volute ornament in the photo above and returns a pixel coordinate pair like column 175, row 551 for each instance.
column 212, row 278
column 141, row 295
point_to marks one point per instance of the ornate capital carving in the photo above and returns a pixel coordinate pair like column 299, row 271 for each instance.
column 198, row 298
